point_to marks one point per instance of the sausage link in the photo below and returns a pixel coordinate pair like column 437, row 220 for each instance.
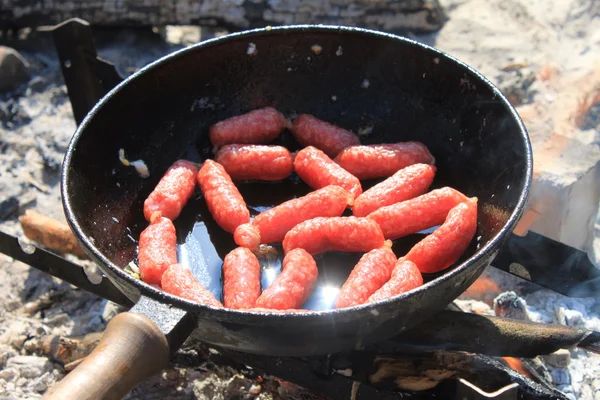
column 382, row 160
column 172, row 191
column 414, row 215
column 318, row 170
column 293, row 285
column 271, row 226
column 331, row 139
column 157, row 250
column 446, row 244
column 346, row 234
column 405, row 276
column 223, row 199
column 255, row 162
column 258, row 126
column 405, row 184
column 371, row 272
column 241, row 279
column 179, row 281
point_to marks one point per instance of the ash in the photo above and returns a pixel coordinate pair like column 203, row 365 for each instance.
column 36, row 124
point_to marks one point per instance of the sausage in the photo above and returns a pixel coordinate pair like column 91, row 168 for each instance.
column 405, row 276
column 157, row 250
column 179, row 281
column 293, row 285
column 255, row 162
column 346, row 234
column 258, row 126
column 415, row 215
column 241, row 279
column 223, row 199
column 271, row 226
column 370, row 273
column 446, row 244
column 172, row 191
column 382, row 160
column 318, row 170
column 331, row 139
column 405, row 184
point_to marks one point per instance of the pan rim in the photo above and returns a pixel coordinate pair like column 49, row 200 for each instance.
column 257, row 317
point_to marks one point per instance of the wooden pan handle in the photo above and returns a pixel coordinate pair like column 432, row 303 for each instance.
column 132, row 349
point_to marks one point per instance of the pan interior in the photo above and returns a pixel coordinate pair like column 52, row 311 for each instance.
column 387, row 89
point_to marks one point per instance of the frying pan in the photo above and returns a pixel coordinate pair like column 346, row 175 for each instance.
column 391, row 88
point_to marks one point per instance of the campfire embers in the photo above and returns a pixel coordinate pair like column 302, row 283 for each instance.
column 424, row 363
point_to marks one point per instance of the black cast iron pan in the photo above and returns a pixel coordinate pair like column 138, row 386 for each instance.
column 361, row 80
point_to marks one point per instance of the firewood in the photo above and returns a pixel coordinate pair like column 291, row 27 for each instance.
column 387, row 15
column 52, row 234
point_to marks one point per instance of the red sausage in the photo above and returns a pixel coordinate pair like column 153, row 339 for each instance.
column 382, row 160
column 447, row 243
column 179, row 281
column 172, row 191
column 372, row 271
column 347, row 234
column 255, row 162
column 271, row 226
column 405, row 184
column 415, row 215
column 258, row 126
column 223, row 199
column 331, row 139
column 293, row 285
column 317, row 170
column 241, row 277
column 157, row 250
column 405, row 276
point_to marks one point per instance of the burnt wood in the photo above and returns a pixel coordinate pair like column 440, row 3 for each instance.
column 387, row 15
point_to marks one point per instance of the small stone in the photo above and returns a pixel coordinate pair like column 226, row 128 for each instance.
column 596, row 385
column 21, row 382
column 41, row 384
column 8, row 374
column 13, row 69
column 40, row 387
column 559, row 359
column 5, row 354
column 29, row 366
column 8, row 207
column 560, row 377
column 17, row 341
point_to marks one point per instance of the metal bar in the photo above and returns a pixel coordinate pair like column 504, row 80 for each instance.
column 87, row 77
column 61, row 268
column 551, row 264
column 492, row 336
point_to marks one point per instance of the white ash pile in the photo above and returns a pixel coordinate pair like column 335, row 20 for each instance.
column 575, row 372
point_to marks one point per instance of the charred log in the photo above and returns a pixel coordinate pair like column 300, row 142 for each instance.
column 387, row 15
